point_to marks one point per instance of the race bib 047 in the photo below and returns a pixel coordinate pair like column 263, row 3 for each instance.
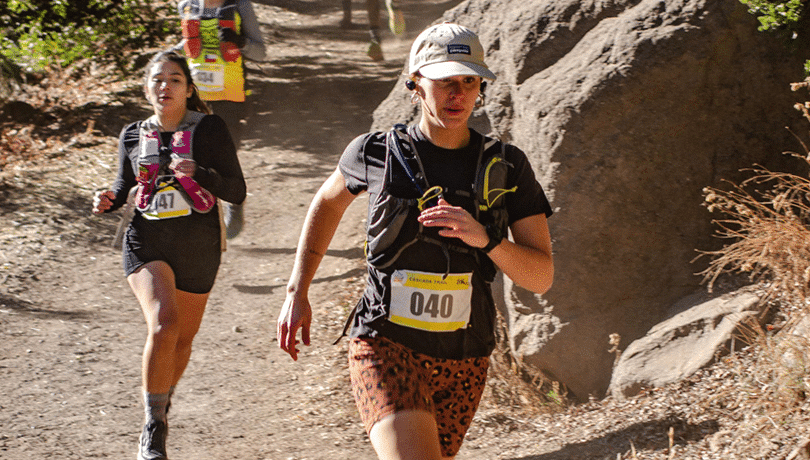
column 167, row 203
column 425, row 301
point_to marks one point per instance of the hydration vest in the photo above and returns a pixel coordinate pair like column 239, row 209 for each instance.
column 166, row 184
column 392, row 224
column 216, row 68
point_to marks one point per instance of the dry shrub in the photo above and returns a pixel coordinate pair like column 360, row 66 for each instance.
column 765, row 392
column 782, row 362
column 770, row 227
column 516, row 386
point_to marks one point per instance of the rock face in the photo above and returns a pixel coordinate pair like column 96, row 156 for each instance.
column 676, row 348
column 627, row 109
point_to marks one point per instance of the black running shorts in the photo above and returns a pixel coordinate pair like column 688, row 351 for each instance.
column 194, row 255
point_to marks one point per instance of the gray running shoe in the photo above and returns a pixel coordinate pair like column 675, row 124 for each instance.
column 234, row 218
column 153, row 441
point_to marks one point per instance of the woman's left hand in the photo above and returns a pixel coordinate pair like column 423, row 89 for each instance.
column 183, row 167
column 457, row 223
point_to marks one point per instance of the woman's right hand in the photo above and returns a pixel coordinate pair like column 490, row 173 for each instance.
column 102, row 201
column 295, row 313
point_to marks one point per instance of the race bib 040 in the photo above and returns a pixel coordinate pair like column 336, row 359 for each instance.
column 426, row 301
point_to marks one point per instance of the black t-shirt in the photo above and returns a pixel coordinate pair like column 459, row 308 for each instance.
column 362, row 165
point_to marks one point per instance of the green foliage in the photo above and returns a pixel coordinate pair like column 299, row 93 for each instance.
column 43, row 33
column 775, row 15
column 554, row 397
column 780, row 16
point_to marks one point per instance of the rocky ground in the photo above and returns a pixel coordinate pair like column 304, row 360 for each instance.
column 73, row 333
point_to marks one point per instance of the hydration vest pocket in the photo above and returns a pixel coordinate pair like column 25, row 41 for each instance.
column 492, row 179
column 191, row 33
column 230, row 50
column 389, row 216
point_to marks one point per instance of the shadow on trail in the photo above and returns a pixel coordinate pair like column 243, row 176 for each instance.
column 297, row 170
column 268, row 289
column 258, row 290
column 25, row 308
column 313, row 7
column 63, row 209
column 648, row 436
column 351, row 254
column 309, row 99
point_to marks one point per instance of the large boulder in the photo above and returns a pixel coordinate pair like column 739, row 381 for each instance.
column 626, row 109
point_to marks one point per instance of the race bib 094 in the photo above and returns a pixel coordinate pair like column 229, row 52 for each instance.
column 208, row 77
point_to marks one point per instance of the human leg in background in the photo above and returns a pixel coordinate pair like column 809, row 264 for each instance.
column 374, row 50
column 346, row 21
column 235, row 116
column 173, row 318
column 396, row 19
column 396, row 22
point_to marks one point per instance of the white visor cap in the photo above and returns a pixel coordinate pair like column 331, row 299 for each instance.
column 447, row 50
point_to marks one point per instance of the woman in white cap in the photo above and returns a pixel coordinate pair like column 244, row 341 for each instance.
column 442, row 198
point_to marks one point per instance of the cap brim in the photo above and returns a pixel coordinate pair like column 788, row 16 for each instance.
column 449, row 69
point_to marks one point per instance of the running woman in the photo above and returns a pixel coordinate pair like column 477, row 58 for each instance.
column 218, row 35
column 442, row 197
column 181, row 159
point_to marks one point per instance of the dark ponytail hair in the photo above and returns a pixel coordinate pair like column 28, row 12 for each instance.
column 192, row 103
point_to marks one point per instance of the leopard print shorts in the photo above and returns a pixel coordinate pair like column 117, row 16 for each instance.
column 388, row 378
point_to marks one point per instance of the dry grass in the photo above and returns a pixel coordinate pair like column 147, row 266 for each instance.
column 767, row 216
column 514, row 385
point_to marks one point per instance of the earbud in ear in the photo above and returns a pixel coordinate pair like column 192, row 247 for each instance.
column 483, row 85
column 410, row 84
